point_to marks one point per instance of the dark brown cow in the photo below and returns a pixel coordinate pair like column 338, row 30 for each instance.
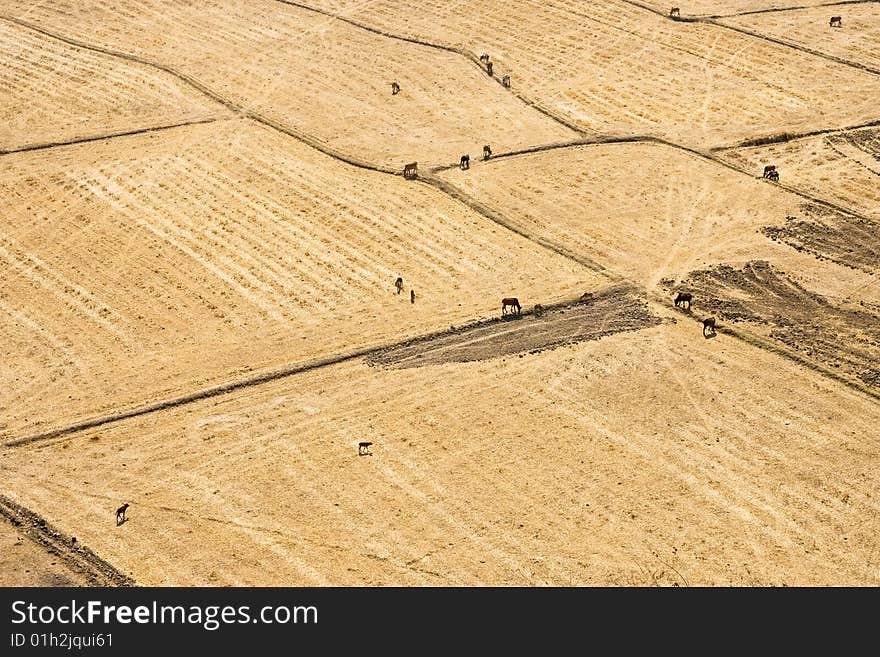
column 487, row 152
column 510, row 302
column 465, row 162
column 411, row 170
column 395, row 88
column 684, row 298
column 120, row 514
column 399, row 284
column 836, row 21
column 709, row 326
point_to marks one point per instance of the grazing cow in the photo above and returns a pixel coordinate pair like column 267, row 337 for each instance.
column 399, row 284
column 487, row 152
column 674, row 12
column 513, row 303
column 489, row 68
column 364, row 448
column 773, row 175
column 539, row 310
column 411, row 170
column 708, row 326
column 768, row 169
column 412, row 296
column 395, row 88
column 465, row 162
column 836, row 21
column 684, row 298
column 120, row 514
column 505, row 81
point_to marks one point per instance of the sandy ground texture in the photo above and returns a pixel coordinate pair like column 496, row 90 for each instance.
column 316, row 75
column 706, row 8
column 841, row 167
column 53, row 92
column 615, row 68
column 646, row 457
column 25, row 563
column 143, row 267
column 650, row 212
column 855, row 41
column 201, row 320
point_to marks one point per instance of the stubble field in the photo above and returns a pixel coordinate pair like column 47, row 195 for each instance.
column 198, row 249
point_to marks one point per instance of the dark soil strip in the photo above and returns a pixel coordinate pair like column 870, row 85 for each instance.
column 111, row 135
column 609, row 311
column 842, row 339
column 850, row 241
column 76, row 556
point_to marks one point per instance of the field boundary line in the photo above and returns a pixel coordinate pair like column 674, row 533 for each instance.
column 712, row 20
column 76, row 556
column 784, row 137
column 780, row 9
column 780, row 349
column 110, row 135
column 473, row 58
column 210, row 93
column 273, row 375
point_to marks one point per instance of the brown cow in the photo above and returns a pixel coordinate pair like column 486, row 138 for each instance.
column 709, row 325
column 511, row 302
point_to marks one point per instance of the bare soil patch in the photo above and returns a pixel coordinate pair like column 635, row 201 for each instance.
column 839, row 337
column 828, row 234
column 609, row 311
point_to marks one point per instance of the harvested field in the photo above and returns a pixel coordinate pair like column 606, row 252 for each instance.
column 644, row 458
column 145, row 267
column 697, row 8
column 839, row 337
column 842, row 167
column 842, row 238
column 25, row 563
column 604, row 312
column 35, row 553
column 614, row 68
column 855, row 41
column 678, row 213
column 216, row 283
column 317, row 76
column 53, row 92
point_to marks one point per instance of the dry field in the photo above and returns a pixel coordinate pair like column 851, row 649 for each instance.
column 315, row 75
column 198, row 248
column 843, row 167
column 707, row 8
column 646, row 457
column 613, row 68
column 670, row 213
column 52, row 92
column 24, row 563
column 855, row 41
column 126, row 262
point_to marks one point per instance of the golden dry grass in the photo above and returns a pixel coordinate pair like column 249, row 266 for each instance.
column 54, row 92
column 654, row 457
column 145, row 266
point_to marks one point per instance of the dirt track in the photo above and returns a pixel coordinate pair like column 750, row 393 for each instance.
column 604, row 313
